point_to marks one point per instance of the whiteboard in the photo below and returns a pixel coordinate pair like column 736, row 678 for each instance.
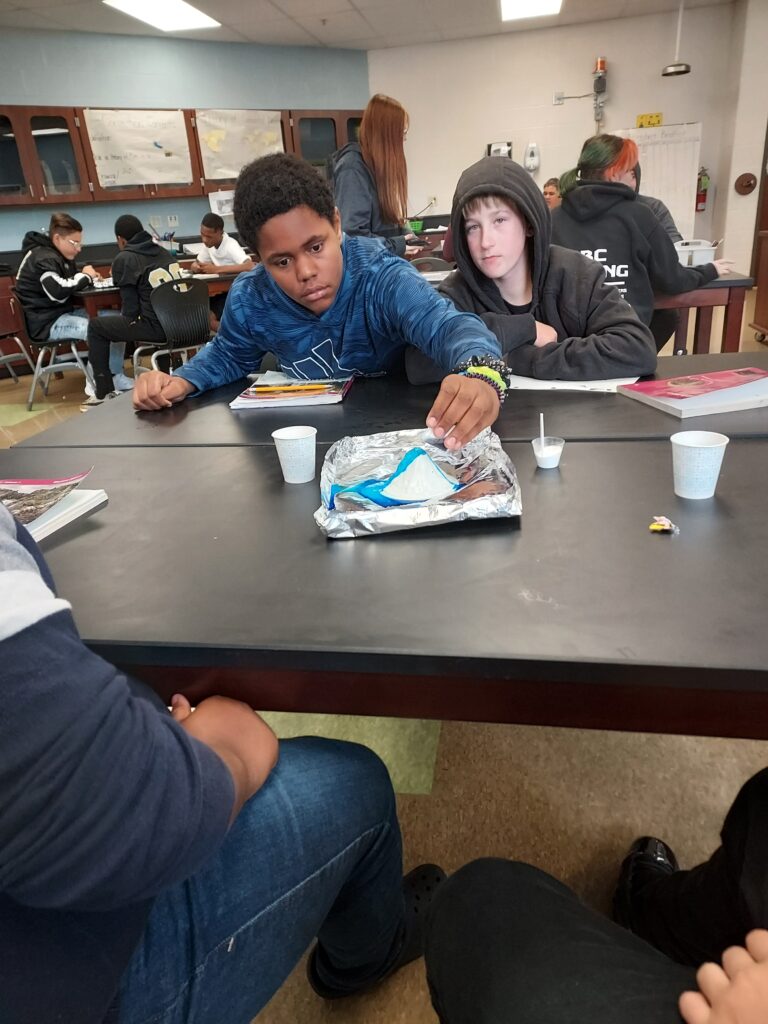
column 139, row 147
column 230, row 139
column 669, row 159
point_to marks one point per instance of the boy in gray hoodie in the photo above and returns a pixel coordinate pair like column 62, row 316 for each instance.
column 551, row 309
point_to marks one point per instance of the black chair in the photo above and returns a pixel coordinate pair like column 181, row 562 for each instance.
column 49, row 348
column 181, row 306
column 7, row 359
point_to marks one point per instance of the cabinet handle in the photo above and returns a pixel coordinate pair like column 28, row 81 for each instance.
column 45, row 192
column 31, row 190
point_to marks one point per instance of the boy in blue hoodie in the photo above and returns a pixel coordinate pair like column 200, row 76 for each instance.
column 328, row 305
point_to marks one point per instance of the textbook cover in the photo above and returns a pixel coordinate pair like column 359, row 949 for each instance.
column 274, row 389
column 703, row 394
column 44, row 506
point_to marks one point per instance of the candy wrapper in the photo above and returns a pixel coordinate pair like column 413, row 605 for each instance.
column 375, row 483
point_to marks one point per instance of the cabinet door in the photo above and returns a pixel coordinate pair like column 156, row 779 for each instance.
column 18, row 183
column 57, row 155
column 316, row 134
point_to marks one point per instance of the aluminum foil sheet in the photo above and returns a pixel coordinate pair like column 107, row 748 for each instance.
column 490, row 489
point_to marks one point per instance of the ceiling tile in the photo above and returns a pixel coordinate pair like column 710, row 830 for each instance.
column 304, row 8
column 26, row 19
column 333, row 29
column 232, row 12
column 283, row 32
column 402, row 18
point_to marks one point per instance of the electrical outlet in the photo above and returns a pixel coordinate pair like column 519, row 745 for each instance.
column 432, row 200
column 173, row 220
column 558, row 99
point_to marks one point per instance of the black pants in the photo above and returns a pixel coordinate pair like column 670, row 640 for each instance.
column 663, row 325
column 509, row 943
column 105, row 329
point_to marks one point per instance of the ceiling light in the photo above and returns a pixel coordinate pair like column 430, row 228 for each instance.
column 167, row 15
column 513, row 10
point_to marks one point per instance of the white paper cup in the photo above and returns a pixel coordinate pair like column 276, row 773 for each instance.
column 548, row 454
column 296, row 451
column 696, row 459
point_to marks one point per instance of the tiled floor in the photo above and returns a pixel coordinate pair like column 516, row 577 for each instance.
column 567, row 800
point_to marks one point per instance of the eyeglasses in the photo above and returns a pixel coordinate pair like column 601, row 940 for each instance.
column 72, row 242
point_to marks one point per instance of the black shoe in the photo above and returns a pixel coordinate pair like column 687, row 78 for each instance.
column 648, row 859
column 419, row 887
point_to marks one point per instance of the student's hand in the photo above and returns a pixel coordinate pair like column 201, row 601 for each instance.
column 723, row 267
column 737, row 992
column 240, row 737
column 207, row 268
column 195, row 267
column 92, row 273
column 464, row 406
column 158, row 390
column 412, row 250
column 545, row 335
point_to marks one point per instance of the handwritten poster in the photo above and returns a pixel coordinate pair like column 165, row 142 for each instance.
column 230, row 139
column 669, row 158
column 139, row 147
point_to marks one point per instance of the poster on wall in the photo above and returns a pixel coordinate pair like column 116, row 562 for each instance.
column 669, row 162
column 230, row 139
column 139, row 147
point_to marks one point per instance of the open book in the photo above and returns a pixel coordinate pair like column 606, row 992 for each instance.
column 277, row 390
column 44, row 506
column 702, row 394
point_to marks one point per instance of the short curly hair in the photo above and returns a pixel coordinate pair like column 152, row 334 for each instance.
column 276, row 184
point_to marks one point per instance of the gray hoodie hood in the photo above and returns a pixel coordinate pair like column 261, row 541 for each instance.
column 500, row 176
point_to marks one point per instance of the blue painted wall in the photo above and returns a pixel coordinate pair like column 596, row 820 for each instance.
column 78, row 69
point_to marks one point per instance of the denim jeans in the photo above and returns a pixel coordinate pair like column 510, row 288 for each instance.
column 75, row 325
column 316, row 852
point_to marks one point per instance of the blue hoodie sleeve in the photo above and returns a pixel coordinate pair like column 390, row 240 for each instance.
column 406, row 304
column 237, row 349
column 104, row 799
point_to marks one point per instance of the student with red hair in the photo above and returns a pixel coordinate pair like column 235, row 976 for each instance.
column 601, row 217
column 370, row 177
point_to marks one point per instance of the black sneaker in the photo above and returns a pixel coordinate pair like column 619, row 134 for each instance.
column 419, row 888
column 648, row 859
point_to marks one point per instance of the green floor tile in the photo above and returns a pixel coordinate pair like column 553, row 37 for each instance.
column 10, row 415
column 407, row 746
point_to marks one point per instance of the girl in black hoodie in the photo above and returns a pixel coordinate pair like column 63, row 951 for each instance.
column 601, row 217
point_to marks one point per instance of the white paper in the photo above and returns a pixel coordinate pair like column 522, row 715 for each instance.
column 230, row 139
column 534, row 384
column 222, row 202
column 139, row 147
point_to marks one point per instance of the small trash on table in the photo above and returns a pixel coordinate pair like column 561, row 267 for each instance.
column 663, row 524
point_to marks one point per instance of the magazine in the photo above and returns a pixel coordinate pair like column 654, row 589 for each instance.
column 274, row 389
column 703, row 394
column 44, row 506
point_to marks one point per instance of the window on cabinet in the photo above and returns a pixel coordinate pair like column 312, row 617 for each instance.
column 12, row 181
column 56, row 155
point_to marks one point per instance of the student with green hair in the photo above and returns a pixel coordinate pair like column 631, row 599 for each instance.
column 600, row 216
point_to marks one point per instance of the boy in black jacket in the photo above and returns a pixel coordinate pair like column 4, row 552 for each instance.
column 550, row 308
column 47, row 281
column 132, row 272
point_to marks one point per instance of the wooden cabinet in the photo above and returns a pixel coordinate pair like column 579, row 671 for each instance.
column 42, row 145
column 46, row 156
column 11, row 322
column 760, row 323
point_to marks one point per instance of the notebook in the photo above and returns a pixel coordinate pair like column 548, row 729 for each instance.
column 45, row 506
column 703, row 394
column 274, row 389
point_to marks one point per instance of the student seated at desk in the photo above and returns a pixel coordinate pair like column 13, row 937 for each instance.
column 47, row 281
column 600, row 216
column 550, row 308
column 508, row 942
column 219, row 252
column 326, row 305
column 175, row 867
column 134, row 273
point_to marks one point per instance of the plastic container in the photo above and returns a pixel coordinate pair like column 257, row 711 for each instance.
column 416, row 226
column 548, row 454
column 694, row 252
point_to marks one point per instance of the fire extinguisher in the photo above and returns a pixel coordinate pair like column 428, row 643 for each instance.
column 702, row 187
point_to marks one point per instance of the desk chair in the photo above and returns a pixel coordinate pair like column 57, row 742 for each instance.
column 182, row 309
column 42, row 371
column 423, row 263
column 8, row 359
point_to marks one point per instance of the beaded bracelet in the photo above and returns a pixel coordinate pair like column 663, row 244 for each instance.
column 494, row 372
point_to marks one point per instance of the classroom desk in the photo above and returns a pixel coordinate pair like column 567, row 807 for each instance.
column 729, row 291
column 212, row 576
column 95, row 299
column 390, row 403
